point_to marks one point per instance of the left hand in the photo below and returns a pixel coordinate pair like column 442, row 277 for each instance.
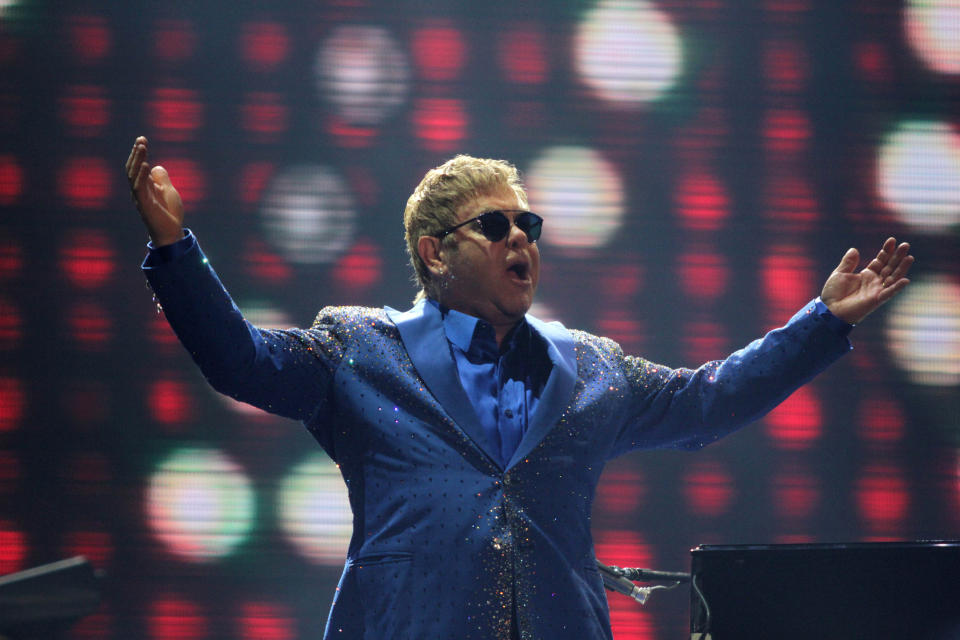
column 853, row 296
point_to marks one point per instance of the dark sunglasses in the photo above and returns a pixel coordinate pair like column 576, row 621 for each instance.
column 495, row 225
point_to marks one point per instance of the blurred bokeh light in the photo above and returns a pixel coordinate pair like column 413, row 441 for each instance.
column 309, row 214
column 200, row 504
column 918, row 174
column 363, row 72
column 580, row 195
column 313, row 510
column 923, row 331
column 933, row 32
column 628, row 52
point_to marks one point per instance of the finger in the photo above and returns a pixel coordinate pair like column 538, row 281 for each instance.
column 137, row 155
column 901, row 271
column 897, row 254
column 888, row 292
column 139, row 177
column 888, row 249
column 888, row 274
column 160, row 177
column 849, row 261
column 133, row 161
column 875, row 265
column 883, row 256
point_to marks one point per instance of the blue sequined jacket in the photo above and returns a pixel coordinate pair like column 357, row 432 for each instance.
column 446, row 542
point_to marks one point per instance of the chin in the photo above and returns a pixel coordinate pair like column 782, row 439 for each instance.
column 518, row 309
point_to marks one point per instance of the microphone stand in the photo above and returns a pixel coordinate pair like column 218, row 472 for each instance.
column 621, row 580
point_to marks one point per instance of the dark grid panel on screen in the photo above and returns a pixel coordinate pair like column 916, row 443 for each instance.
column 701, row 167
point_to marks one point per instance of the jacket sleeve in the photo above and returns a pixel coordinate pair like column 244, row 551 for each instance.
column 286, row 372
column 688, row 409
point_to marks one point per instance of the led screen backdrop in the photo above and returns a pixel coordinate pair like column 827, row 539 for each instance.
column 701, row 166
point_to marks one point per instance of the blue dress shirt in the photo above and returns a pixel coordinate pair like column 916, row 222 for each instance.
column 502, row 387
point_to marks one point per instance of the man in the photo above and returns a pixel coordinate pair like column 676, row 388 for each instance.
column 470, row 435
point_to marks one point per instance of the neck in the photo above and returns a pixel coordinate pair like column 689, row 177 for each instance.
column 502, row 325
column 502, row 331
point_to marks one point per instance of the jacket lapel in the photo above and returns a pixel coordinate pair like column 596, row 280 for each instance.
column 421, row 330
column 558, row 390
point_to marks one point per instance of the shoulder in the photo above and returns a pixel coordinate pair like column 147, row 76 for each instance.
column 588, row 344
column 352, row 318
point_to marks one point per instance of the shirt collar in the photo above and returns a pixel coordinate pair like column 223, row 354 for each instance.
column 474, row 336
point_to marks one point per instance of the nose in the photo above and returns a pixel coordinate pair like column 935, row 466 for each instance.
column 515, row 237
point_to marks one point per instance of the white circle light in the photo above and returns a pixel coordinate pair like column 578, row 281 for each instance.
column 580, row 195
column 933, row 31
column 200, row 504
column 314, row 511
column 918, row 174
column 363, row 73
column 923, row 331
column 627, row 51
column 308, row 213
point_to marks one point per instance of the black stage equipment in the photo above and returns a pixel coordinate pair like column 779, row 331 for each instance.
column 875, row 591
column 44, row 601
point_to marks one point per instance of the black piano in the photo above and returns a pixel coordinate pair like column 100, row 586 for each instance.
column 861, row 591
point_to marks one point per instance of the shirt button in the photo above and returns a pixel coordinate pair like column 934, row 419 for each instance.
column 508, row 413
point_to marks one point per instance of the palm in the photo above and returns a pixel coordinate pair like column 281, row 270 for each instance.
column 158, row 201
column 852, row 295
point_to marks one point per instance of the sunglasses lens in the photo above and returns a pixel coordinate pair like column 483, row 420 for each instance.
column 531, row 224
column 494, row 225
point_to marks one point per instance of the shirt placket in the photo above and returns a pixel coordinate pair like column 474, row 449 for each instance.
column 510, row 408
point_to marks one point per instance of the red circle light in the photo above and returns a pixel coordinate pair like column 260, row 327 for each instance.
column 797, row 422
column 438, row 51
column 13, row 548
column 85, row 110
column 11, row 180
column 86, row 182
column 882, row 497
column 264, row 45
column 523, row 55
column 169, row 401
column 266, row 621
column 173, row 618
column 708, row 489
column 702, row 202
column 87, row 259
column 703, row 274
column 12, row 402
column 440, row 123
column 89, row 38
column 361, row 268
column 176, row 114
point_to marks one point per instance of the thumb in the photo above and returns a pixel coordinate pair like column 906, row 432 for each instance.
column 849, row 261
column 160, row 176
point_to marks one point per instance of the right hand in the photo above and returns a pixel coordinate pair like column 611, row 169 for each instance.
column 157, row 200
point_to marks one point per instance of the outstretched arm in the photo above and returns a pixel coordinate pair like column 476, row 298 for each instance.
column 157, row 200
column 852, row 296
column 284, row 372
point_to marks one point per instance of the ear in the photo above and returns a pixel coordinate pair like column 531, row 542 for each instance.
column 429, row 249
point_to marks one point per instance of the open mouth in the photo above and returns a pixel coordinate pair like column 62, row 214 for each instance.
column 520, row 270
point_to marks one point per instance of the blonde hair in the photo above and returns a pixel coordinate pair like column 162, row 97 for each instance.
column 434, row 203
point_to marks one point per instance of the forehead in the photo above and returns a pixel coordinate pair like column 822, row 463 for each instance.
column 501, row 198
